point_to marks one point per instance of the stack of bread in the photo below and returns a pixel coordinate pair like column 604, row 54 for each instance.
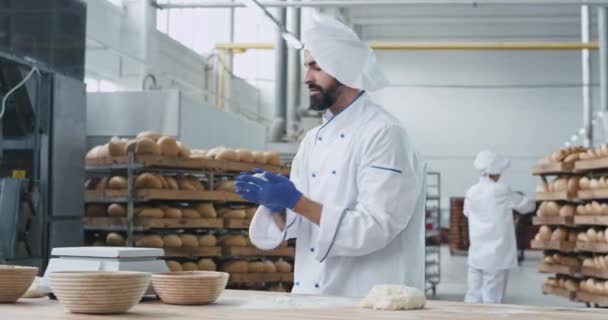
column 594, row 235
column 593, row 208
column 552, row 209
column 565, row 283
column 145, row 143
column 244, row 266
column 597, row 153
column 595, row 286
column 226, row 154
column 237, row 212
column 593, row 183
column 193, row 211
column 147, row 181
column 560, row 184
column 561, row 260
column 599, row 262
column 175, row 241
column 204, row 264
column 566, row 155
column 545, row 233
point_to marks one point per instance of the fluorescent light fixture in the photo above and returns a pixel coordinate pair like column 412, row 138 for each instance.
column 567, row 144
column 601, row 114
column 291, row 40
column 581, row 131
column 574, row 138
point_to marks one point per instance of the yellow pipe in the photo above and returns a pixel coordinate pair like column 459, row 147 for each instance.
column 499, row 46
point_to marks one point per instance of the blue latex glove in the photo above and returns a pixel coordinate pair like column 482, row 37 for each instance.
column 275, row 191
column 245, row 193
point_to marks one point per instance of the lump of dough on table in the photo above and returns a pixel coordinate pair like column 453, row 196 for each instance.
column 394, row 297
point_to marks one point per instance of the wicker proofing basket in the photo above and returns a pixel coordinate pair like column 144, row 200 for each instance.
column 189, row 288
column 99, row 292
column 14, row 282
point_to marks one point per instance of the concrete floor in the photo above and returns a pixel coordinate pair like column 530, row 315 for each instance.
column 524, row 286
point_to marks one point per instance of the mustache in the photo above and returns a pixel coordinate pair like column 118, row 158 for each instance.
column 315, row 87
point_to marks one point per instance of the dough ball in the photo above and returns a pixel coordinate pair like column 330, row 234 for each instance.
column 394, row 297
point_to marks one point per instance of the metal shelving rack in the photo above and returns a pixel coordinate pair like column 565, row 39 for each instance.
column 432, row 231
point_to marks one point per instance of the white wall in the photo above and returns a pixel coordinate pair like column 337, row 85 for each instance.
column 454, row 104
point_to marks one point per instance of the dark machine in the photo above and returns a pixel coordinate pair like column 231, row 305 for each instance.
column 42, row 128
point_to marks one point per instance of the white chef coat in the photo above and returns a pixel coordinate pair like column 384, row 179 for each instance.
column 489, row 206
column 361, row 166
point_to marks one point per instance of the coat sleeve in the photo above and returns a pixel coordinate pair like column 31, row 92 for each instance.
column 390, row 182
column 521, row 203
column 263, row 231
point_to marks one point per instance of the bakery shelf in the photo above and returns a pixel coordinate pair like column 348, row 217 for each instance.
column 256, row 278
column 161, row 194
column 193, row 252
column 553, row 221
column 594, row 272
column 237, row 223
column 105, row 223
column 255, row 252
column 180, row 163
column 557, row 291
column 583, row 296
column 590, row 165
column 555, row 196
column 563, row 246
column 593, row 194
column 553, row 168
column 591, row 220
column 559, row 269
column 592, row 247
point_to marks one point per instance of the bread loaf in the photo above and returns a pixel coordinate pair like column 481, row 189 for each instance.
column 258, row 157
column 228, row 213
column 227, row 155
column 143, row 147
column 172, row 183
column 151, row 241
column 103, row 151
column 117, row 183
column 283, row 266
column 190, row 266
column 172, row 241
column 560, row 184
column 545, row 233
column 234, row 241
column 207, row 241
column 114, row 239
column 594, row 184
column 95, row 210
column 117, row 210
column 584, row 183
column 238, row 266
column 173, row 213
column 573, row 184
column 206, row 265
column 226, row 185
column 250, row 212
column 592, row 235
column 190, row 213
column 174, row 266
column 93, row 153
column 154, row 136
column 272, row 158
column 189, row 183
column 256, row 267
column 147, row 212
column 206, row 210
column 163, row 181
column 567, row 211
column 184, row 152
column 560, row 234
column 245, row 156
column 189, row 241
column 117, row 147
column 148, row 181
column 168, row 146
column 269, row 267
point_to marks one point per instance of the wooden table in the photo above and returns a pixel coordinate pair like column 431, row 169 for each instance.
column 237, row 305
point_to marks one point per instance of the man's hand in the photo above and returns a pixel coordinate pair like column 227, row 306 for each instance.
column 272, row 190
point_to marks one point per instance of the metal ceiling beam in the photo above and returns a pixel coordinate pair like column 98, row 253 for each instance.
column 360, row 3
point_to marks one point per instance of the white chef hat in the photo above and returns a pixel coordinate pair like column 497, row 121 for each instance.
column 339, row 52
column 488, row 162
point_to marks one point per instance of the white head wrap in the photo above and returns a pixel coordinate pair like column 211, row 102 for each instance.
column 340, row 53
column 488, row 162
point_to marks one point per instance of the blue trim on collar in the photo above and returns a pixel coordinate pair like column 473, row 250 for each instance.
column 337, row 114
